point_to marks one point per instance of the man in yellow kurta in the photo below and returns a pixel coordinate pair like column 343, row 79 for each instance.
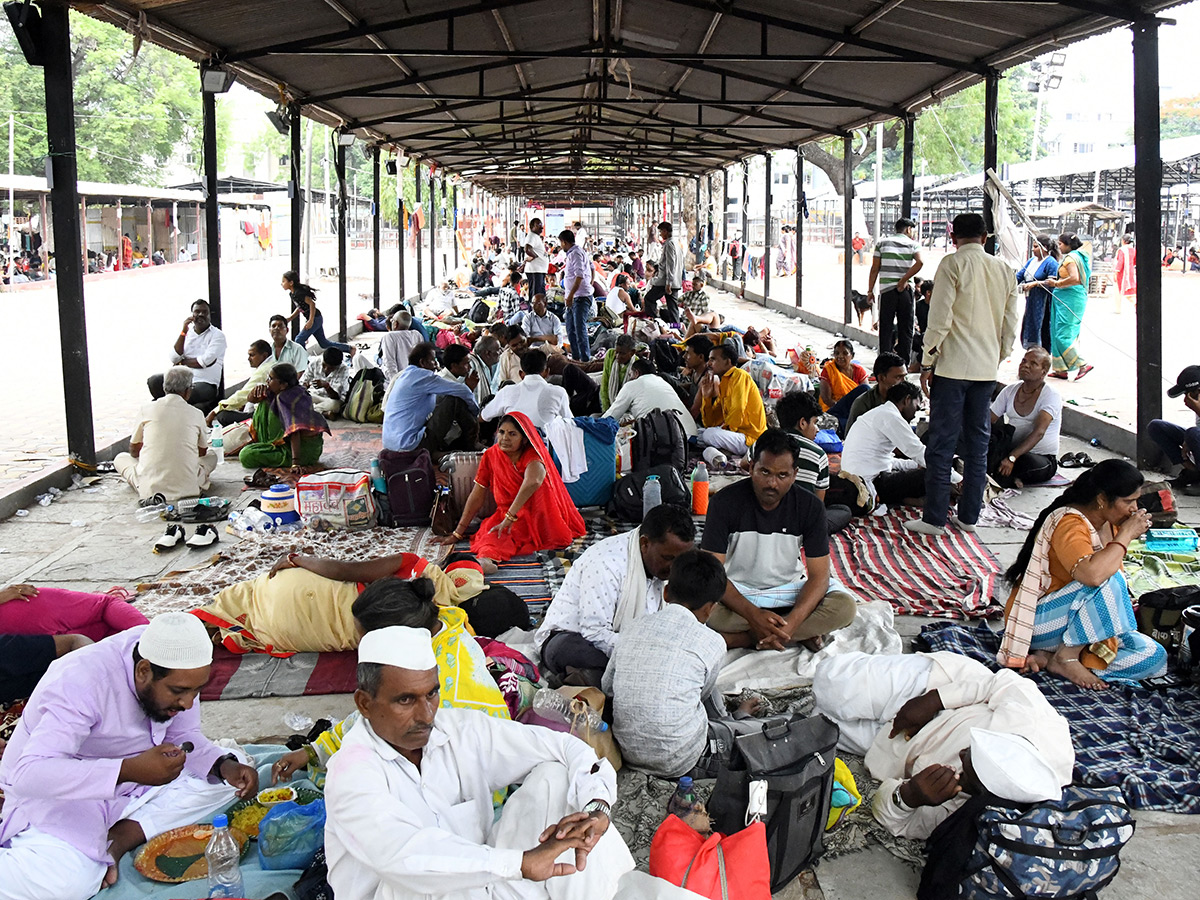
column 731, row 408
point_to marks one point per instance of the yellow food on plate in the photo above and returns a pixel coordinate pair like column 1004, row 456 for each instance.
column 276, row 795
column 248, row 818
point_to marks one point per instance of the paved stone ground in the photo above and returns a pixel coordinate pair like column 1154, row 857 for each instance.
column 90, row 540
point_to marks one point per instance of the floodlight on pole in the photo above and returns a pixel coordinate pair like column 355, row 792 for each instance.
column 215, row 78
column 280, row 119
column 345, row 138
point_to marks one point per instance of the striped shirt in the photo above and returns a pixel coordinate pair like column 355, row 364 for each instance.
column 812, row 464
column 895, row 254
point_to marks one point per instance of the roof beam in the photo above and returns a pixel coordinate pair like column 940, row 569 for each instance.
column 617, row 51
column 363, row 91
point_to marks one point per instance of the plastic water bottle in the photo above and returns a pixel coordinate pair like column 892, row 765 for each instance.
column 150, row 513
column 377, row 480
column 217, row 441
column 222, row 853
column 554, row 706
column 700, row 489
column 684, row 801
column 714, row 457
column 651, row 494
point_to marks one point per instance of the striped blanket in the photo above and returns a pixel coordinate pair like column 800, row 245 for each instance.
column 952, row 576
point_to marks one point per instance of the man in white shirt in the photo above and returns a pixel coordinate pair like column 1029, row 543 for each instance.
column 937, row 705
column 327, row 379
column 283, row 348
column 542, row 326
column 667, row 280
column 610, row 586
column 869, row 451
column 230, row 410
column 537, row 263
column 645, row 392
column 397, row 344
column 409, row 795
column 168, row 451
column 439, row 301
column 199, row 347
column 532, row 395
column 973, row 322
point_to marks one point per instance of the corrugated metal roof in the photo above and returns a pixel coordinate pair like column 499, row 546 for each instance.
column 622, row 96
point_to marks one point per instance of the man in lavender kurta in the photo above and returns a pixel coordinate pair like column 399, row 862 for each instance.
column 100, row 762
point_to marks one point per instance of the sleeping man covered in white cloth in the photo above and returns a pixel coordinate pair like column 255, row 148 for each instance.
column 922, row 719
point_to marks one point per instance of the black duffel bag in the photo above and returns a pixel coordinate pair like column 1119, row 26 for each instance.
column 627, row 492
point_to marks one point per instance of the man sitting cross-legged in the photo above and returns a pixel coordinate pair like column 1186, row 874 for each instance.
column 665, row 669
column 889, row 369
column 409, row 795
column 423, row 409
column 870, row 449
column 328, row 381
column 108, row 753
column 757, row 527
column 532, row 395
column 799, row 414
column 612, row 584
column 731, row 407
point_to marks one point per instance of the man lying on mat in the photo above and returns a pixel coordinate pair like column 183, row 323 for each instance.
column 757, row 528
column 607, row 588
column 305, row 603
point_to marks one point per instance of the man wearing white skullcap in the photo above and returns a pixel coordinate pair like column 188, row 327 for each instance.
column 109, row 753
column 937, row 727
column 408, row 796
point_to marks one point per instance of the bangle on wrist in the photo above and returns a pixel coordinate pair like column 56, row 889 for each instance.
column 1124, row 547
column 510, row 515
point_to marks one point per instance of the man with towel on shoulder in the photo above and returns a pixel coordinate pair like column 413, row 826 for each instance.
column 409, row 795
column 108, row 754
column 939, row 727
column 608, row 587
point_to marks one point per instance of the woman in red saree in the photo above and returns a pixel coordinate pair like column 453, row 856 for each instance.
column 533, row 509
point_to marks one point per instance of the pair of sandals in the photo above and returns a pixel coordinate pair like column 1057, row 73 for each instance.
column 175, row 537
column 1063, row 376
column 1077, row 460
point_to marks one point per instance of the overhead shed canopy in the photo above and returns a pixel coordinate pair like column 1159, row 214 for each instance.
column 634, row 93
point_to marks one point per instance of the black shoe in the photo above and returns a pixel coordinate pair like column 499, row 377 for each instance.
column 171, row 539
column 205, row 536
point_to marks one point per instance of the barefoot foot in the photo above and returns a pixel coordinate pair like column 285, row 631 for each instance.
column 815, row 644
column 1069, row 667
column 110, row 877
column 1035, row 662
column 489, row 567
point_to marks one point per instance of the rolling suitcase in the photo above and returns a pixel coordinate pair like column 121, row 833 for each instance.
column 461, row 467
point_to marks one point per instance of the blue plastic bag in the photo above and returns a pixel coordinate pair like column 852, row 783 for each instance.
column 290, row 835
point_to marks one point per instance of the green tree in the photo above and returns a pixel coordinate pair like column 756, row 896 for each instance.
column 1180, row 117
column 131, row 111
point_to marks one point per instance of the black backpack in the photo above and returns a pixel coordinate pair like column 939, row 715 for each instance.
column 794, row 755
column 410, row 485
column 659, row 440
column 627, row 493
column 480, row 312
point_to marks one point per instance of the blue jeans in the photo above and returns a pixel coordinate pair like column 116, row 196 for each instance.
column 958, row 420
column 318, row 331
column 577, row 317
column 1172, row 439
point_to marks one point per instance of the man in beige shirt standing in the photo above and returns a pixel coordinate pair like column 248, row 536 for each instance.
column 972, row 325
column 168, row 452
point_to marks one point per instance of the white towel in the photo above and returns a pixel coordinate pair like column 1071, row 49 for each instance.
column 567, row 440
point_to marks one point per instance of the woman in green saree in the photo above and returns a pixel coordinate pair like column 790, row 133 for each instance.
column 287, row 431
column 1066, row 311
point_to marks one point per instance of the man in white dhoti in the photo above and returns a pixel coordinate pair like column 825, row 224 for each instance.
column 108, row 753
column 409, row 796
column 920, row 718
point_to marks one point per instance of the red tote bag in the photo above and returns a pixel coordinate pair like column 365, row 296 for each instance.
column 720, row 868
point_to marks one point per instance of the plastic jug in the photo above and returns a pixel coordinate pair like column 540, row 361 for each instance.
column 651, row 494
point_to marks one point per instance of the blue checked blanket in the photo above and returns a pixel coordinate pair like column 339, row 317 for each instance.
column 1145, row 742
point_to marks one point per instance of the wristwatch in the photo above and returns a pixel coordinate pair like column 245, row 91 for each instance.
column 599, row 806
column 1012, row 459
column 899, row 800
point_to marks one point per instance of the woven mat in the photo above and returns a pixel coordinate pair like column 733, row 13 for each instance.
column 246, row 559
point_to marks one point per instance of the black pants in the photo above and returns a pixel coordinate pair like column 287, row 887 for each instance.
column 537, row 283
column 1030, row 468
column 204, row 396
column 565, row 649
column 582, row 391
column 897, row 314
column 231, row 417
column 670, row 302
column 440, row 436
column 837, row 517
column 893, row 488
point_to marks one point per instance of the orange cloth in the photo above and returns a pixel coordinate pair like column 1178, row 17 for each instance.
column 839, row 383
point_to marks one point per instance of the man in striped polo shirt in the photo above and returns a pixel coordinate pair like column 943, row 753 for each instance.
column 896, row 260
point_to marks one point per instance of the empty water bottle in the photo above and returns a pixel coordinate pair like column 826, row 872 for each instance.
column 222, row 855
column 651, row 494
column 217, row 442
column 554, row 706
column 151, row 513
column 714, row 457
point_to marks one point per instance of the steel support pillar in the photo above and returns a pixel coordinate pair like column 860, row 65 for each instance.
column 418, row 231
column 745, row 217
column 847, row 224
column 1147, row 181
column 906, row 191
column 991, row 125
column 799, row 234
column 68, row 245
column 454, row 224
column 212, row 209
column 375, row 223
column 433, row 220
column 767, row 228
column 296, row 197
column 401, row 224
column 340, row 170
column 724, row 218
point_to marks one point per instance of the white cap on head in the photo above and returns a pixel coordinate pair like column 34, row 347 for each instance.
column 1012, row 768
column 176, row 640
column 400, row 646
